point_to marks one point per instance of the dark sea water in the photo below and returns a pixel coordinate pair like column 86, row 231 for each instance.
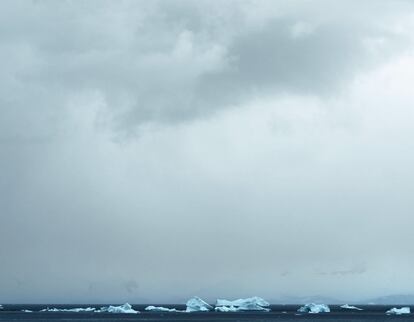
column 278, row 313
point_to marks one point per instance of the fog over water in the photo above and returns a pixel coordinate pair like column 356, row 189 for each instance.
column 155, row 150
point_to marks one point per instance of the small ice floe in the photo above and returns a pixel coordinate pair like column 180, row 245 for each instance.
column 351, row 307
column 160, row 309
column 196, row 304
column 125, row 308
column 403, row 310
column 314, row 308
column 1, row 307
column 77, row 310
column 27, row 311
column 249, row 304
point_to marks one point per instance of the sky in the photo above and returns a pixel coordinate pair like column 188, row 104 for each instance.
column 155, row 150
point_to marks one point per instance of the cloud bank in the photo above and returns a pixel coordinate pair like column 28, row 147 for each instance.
column 153, row 151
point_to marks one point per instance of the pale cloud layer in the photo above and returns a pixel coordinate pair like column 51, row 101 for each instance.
column 154, row 151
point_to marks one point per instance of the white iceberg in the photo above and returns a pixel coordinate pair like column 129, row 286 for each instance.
column 314, row 308
column 27, row 311
column 126, row 308
column 226, row 309
column 403, row 310
column 254, row 303
column 160, row 309
column 351, row 307
column 196, row 304
column 77, row 310
column 1, row 307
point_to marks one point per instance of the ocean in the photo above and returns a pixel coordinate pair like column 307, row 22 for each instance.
column 278, row 313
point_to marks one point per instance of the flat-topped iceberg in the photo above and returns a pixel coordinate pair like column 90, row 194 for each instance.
column 27, row 311
column 403, row 310
column 314, row 308
column 196, row 304
column 351, row 307
column 125, row 308
column 254, row 303
column 160, row 309
column 76, row 310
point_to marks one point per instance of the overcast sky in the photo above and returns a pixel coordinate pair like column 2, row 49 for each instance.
column 156, row 150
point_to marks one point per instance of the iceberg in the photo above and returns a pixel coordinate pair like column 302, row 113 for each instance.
column 254, row 303
column 226, row 309
column 160, row 309
column 125, row 308
column 27, row 311
column 351, row 307
column 314, row 308
column 403, row 310
column 196, row 304
column 1, row 307
column 88, row 309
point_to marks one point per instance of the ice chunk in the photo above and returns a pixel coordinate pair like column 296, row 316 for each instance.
column 350, row 307
column 126, row 308
column 160, row 309
column 196, row 304
column 255, row 300
column 254, row 303
column 403, row 310
column 1, row 307
column 315, row 308
column 88, row 309
column 227, row 309
column 27, row 311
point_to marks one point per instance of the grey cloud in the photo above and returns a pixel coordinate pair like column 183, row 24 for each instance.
column 271, row 59
column 171, row 62
column 355, row 270
column 253, row 199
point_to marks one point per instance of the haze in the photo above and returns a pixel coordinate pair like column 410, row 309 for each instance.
column 155, row 150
